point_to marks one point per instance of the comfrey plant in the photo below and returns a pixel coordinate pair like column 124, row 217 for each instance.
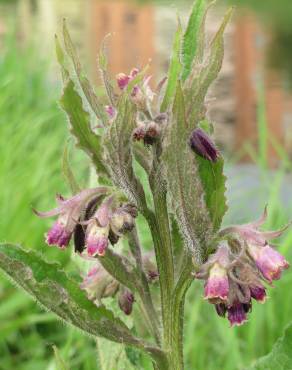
column 165, row 133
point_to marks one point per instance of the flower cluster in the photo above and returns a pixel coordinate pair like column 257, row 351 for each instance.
column 94, row 220
column 99, row 284
column 239, row 269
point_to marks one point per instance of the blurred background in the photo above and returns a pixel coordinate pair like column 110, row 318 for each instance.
column 252, row 116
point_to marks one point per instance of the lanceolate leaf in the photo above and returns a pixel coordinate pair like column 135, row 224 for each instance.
column 185, row 187
column 68, row 173
column 174, row 70
column 202, row 76
column 86, row 88
column 118, row 152
column 56, row 292
column 80, row 126
column 213, row 182
column 280, row 357
column 191, row 37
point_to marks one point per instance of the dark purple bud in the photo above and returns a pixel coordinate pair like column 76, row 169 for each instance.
column 202, row 145
column 221, row 309
column 126, row 300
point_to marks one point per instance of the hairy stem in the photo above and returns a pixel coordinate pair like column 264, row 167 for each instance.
column 143, row 288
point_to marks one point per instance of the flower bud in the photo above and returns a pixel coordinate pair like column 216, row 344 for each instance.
column 202, row 145
column 58, row 234
column 98, row 284
column 111, row 111
column 150, row 269
column 126, row 300
column 122, row 220
column 153, row 131
column 123, row 80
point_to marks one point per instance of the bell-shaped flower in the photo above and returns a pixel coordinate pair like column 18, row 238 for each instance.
column 97, row 231
column 270, row 262
column 214, row 271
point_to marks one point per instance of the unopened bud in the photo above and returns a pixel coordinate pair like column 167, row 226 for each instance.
column 126, row 300
column 202, row 145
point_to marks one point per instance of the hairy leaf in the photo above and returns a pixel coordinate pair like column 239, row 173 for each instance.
column 79, row 120
column 86, row 89
column 280, row 357
column 118, row 152
column 191, row 37
column 203, row 75
column 68, row 173
column 213, row 182
column 56, row 292
column 185, row 187
column 174, row 70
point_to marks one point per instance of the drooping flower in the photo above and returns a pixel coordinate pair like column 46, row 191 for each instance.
column 97, row 231
column 202, row 145
column 270, row 262
column 237, row 313
column 68, row 212
column 98, row 284
column 215, row 274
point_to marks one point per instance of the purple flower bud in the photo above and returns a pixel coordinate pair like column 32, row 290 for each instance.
column 221, row 309
column 237, row 314
column 123, row 80
column 139, row 132
column 126, row 300
column 58, row 235
column 202, row 145
column 269, row 261
column 217, row 285
column 111, row 111
column 258, row 292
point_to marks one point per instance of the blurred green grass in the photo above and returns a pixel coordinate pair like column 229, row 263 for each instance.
column 32, row 135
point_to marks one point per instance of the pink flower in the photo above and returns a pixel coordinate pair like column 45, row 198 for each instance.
column 217, row 285
column 69, row 213
column 269, row 261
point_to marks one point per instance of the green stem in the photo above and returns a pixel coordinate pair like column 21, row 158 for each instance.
column 160, row 229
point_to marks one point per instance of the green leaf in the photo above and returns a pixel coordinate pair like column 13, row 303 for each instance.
column 79, row 120
column 192, row 36
column 103, row 64
column 118, row 152
column 56, row 292
column 174, row 70
column 202, row 76
column 280, row 358
column 68, row 173
column 87, row 91
column 213, row 182
column 185, row 188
